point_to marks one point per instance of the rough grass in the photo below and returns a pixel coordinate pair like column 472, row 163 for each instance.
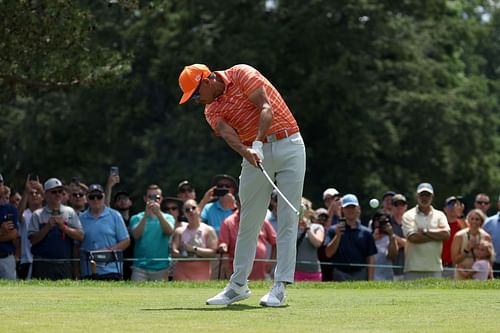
column 86, row 306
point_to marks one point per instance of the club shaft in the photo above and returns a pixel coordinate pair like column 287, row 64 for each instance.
column 276, row 188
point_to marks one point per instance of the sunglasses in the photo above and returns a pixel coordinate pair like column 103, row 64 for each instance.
column 56, row 192
column 171, row 208
column 185, row 189
column 78, row 195
column 95, row 197
column 483, row 202
column 399, row 203
column 224, row 185
column 189, row 209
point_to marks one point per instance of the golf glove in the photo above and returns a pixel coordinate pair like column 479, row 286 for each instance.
column 257, row 146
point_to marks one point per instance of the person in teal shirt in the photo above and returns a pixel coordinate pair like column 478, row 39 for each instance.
column 152, row 230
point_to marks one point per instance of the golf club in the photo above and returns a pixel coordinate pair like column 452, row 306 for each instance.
column 276, row 188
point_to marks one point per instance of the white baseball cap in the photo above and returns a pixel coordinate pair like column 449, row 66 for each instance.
column 51, row 184
column 330, row 192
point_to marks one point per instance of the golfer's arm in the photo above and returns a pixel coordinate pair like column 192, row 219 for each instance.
column 259, row 98
column 231, row 137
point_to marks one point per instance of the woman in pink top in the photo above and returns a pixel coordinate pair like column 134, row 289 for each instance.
column 464, row 242
column 195, row 240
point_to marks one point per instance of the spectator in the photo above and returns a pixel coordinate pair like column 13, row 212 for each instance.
column 122, row 203
column 152, row 230
column 15, row 198
column 174, row 207
column 267, row 238
column 310, row 236
column 104, row 231
column 52, row 231
column 399, row 206
column 453, row 209
column 214, row 213
column 31, row 201
column 194, row 240
column 492, row 226
column 186, row 191
column 66, row 190
column 481, row 268
column 272, row 211
column 465, row 240
column 350, row 245
column 323, row 218
column 8, row 234
column 387, row 247
column 387, row 201
column 425, row 229
column 78, row 198
column 331, row 199
column 113, row 179
column 482, row 202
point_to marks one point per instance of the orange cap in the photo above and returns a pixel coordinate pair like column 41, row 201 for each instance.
column 190, row 79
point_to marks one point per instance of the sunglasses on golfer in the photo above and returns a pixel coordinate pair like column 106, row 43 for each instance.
column 196, row 95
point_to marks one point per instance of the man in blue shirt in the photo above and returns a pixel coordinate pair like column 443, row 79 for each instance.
column 105, row 231
column 350, row 245
column 492, row 226
column 214, row 213
column 8, row 234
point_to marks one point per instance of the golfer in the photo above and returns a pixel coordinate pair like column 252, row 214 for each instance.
column 245, row 109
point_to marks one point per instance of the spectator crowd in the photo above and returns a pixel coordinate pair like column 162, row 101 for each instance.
column 54, row 231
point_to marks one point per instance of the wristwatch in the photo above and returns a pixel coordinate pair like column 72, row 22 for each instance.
column 195, row 249
column 426, row 231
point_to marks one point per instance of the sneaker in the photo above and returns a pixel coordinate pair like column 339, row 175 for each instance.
column 276, row 297
column 229, row 296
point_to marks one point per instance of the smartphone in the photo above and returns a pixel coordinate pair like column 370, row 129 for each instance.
column 342, row 221
column 56, row 212
column 33, row 177
column 220, row 192
column 154, row 197
column 114, row 171
column 8, row 217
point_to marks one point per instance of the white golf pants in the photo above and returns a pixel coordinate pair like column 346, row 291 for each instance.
column 284, row 161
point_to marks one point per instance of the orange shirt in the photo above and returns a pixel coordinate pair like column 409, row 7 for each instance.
column 234, row 107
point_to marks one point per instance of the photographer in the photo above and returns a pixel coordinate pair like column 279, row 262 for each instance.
column 152, row 230
column 387, row 247
column 350, row 245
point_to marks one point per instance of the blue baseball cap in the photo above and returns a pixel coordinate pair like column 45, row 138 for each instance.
column 349, row 200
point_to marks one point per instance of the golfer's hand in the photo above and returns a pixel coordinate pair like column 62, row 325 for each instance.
column 257, row 148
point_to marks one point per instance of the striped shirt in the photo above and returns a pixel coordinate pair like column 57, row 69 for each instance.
column 236, row 109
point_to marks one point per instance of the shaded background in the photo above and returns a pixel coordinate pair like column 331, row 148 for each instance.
column 387, row 93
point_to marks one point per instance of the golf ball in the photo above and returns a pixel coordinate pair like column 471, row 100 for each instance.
column 374, row 203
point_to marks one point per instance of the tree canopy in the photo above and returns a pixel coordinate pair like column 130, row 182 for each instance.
column 387, row 93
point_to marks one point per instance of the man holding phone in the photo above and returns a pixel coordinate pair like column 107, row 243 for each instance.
column 8, row 234
column 152, row 230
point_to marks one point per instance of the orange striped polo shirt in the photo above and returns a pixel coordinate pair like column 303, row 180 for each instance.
column 234, row 107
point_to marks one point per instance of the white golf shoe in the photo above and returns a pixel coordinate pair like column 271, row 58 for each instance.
column 230, row 295
column 276, row 297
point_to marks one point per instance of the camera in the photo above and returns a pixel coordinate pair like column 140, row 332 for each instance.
column 220, row 192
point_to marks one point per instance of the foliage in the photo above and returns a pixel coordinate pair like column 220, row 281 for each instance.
column 387, row 93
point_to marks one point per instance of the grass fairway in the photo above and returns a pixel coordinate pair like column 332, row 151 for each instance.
column 422, row 306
